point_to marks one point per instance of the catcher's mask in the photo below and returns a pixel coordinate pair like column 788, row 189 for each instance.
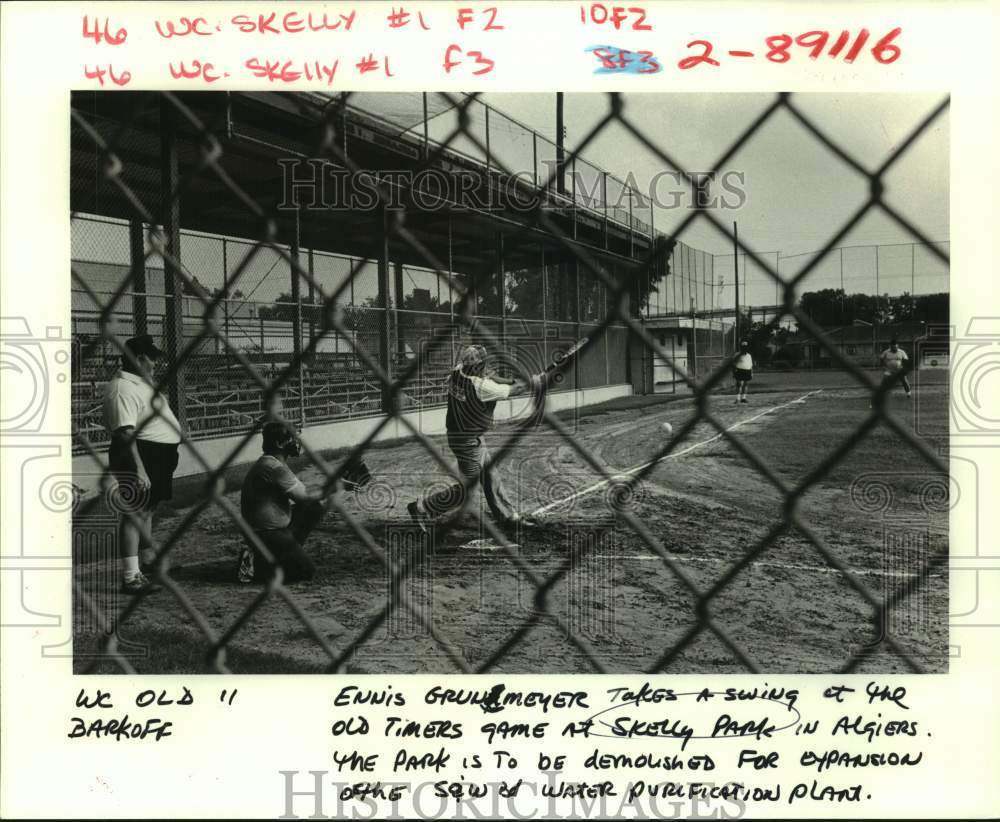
column 277, row 437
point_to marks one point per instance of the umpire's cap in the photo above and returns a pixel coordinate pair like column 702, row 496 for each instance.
column 143, row 345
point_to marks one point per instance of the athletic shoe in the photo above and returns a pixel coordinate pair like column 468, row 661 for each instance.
column 139, row 586
column 245, row 571
column 521, row 521
column 419, row 517
column 744, row 400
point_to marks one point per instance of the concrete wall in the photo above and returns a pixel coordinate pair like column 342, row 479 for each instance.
column 346, row 433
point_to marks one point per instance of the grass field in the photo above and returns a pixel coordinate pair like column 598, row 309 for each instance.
column 882, row 512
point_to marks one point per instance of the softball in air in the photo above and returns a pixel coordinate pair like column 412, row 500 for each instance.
column 667, row 428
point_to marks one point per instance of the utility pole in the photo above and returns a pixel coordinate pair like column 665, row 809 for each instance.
column 736, row 274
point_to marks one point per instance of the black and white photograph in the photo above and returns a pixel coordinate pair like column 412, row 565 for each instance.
column 526, row 383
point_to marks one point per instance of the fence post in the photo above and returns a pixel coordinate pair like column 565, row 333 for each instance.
column 451, row 297
column 604, row 199
column 173, row 286
column 225, row 298
column 297, row 318
column 607, row 356
column 502, row 293
column 426, row 135
column 573, row 206
column 312, row 295
column 138, row 275
column 534, row 155
column 673, row 360
column 693, row 357
column 631, row 234
column 397, row 303
column 576, row 312
column 384, row 341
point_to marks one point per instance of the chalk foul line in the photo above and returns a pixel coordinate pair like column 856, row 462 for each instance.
column 674, row 454
column 791, row 566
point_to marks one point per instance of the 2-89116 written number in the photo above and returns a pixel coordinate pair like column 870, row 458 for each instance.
column 779, row 46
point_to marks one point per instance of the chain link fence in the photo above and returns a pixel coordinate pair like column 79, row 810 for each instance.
column 371, row 331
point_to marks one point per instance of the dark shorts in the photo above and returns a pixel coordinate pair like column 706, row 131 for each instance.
column 159, row 460
column 743, row 374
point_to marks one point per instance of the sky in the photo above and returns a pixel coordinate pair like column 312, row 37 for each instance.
column 798, row 193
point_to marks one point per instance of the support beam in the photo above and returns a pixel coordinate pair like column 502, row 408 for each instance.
column 397, row 304
column 312, row 295
column 173, row 285
column 297, row 318
column 384, row 302
column 138, row 275
column 560, row 152
column 499, row 278
column 736, row 278
column 226, row 295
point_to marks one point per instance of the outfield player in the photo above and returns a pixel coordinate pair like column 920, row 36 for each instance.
column 280, row 509
column 142, row 455
column 743, row 371
column 893, row 361
column 472, row 398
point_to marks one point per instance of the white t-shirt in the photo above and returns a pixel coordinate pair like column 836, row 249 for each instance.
column 487, row 390
column 893, row 360
column 129, row 400
column 744, row 362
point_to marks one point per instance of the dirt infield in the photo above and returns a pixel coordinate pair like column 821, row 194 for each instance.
column 882, row 513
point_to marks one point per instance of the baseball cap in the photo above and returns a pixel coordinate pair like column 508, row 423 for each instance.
column 472, row 355
column 143, row 345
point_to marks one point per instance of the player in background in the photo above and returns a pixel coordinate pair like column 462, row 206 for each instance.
column 472, row 398
column 280, row 509
column 893, row 361
column 743, row 371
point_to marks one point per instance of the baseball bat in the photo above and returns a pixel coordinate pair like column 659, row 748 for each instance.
column 561, row 358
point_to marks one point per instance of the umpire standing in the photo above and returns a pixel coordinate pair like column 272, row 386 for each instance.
column 142, row 456
column 472, row 398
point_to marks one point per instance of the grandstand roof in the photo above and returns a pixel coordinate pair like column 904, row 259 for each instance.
column 255, row 130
